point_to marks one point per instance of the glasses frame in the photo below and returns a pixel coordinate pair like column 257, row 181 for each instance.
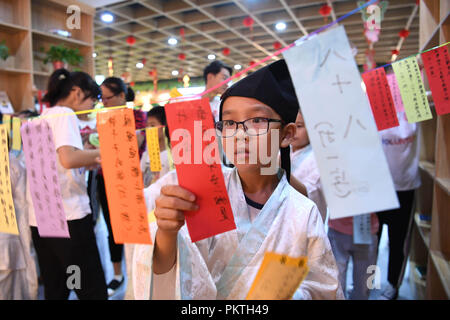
column 237, row 123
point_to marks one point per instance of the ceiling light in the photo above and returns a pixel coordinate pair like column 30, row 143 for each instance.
column 211, row 57
column 172, row 41
column 107, row 17
column 175, row 73
column 237, row 67
column 280, row 26
column 139, row 65
column 94, row 55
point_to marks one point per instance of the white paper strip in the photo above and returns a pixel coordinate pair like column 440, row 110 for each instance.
column 341, row 127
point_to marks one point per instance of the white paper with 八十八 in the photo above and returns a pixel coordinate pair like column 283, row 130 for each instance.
column 353, row 168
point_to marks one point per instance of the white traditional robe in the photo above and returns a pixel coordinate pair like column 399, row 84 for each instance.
column 224, row 266
column 304, row 168
column 18, row 276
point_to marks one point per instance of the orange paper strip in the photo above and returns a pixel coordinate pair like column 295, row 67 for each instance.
column 123, row 176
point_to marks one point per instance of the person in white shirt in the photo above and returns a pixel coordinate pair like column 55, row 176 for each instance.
column 304, row 166
column 401, row 147
column 65, row 94
column 213, row 74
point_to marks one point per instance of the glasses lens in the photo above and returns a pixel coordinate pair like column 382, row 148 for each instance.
column 256, row 126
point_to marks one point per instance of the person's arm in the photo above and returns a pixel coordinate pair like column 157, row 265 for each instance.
column 297, row 185
column 169, row 213
column 71, row 157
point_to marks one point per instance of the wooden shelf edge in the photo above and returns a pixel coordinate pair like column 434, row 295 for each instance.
column 422, row 229
column 51, row 36
column 13, row 26
column 442, row 266
column 15, row 71
column 444, row 184
column 41, row 73
column 428, row 167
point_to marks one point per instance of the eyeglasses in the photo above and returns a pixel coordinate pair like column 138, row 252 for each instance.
column 108, row 98
column 252, row 127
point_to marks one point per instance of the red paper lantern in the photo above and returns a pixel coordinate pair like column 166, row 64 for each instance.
column 182, row 33
column 404, row 33
column 277, row 45
column 252, row 63
column 325, row 10
column 144, row 61
column 132, row 84
column 150, row 73
column 182, row 56
column 131, row 40
column 248, row 22
column 226, row 51
column 395, row 51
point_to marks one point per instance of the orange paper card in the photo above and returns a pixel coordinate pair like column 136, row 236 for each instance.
column 123, row 176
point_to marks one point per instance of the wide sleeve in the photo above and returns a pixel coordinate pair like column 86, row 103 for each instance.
column 322, row 281
column 189, row 279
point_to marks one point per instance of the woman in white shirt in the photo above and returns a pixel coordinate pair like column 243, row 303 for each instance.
column 67, row 93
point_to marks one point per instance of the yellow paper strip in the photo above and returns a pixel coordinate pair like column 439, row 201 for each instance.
column 16, row 137
column 153, row 149
column 8, row 222
column 412, row 90
column 278, row 277
column 7, row 123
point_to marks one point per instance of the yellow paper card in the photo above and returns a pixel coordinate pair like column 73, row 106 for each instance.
column 16, row 137
column 8, row 222
column 278, row 277
column 412, row 90
column 153, row 149
column 7, row 123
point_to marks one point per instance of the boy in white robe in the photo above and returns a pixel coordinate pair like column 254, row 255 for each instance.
column 277, row 218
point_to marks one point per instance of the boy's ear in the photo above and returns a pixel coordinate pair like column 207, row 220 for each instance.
column 289, row 131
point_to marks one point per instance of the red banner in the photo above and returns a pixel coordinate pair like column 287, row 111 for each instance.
column 437, row 66
column 380, row 98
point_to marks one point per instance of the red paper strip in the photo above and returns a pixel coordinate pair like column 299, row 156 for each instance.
column 198, row 167
column 380, row 98
column 123, row 177
column 437, row 66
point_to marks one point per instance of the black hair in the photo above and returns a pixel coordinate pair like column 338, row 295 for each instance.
column 215, row 67
column 28, row 113
column 159, row 113
column 117, row 86
column 62, row 81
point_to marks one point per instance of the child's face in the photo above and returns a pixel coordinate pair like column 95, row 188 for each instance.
column 246, row 150
column 301, row 138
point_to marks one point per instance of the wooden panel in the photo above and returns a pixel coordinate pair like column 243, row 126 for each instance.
column 15, row 12
column 435, row 289
column 18, row 88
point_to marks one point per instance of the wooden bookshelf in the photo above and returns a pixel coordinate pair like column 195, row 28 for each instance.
column 431, row 246
column 26, row 27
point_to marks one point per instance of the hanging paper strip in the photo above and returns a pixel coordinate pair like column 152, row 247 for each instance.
column 7, row 122
column 340, row 126
column 153, row 149
column 123, row 177
column 16, row 138
column 412, row 90
column 198, row 167
column 437, row 66
column 395, row 92
column 42, row 176
column 380, row 98
column 8, row 222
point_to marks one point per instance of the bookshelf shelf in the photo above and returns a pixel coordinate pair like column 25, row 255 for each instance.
column 26, row 27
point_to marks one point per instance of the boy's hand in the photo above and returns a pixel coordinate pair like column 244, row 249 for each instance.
column 170, row 207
